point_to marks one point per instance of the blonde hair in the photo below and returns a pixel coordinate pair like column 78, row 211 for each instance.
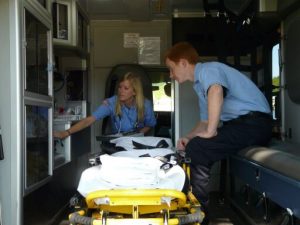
column 136, row 84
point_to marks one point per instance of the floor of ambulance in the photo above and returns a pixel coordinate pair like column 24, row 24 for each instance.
column 221, row 212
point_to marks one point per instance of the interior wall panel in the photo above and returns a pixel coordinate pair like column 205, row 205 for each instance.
column 107, row 50
column 291, row 76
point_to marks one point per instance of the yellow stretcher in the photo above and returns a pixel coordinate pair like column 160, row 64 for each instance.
column 139, row 207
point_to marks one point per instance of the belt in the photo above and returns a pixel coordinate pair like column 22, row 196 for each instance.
column 250, row 115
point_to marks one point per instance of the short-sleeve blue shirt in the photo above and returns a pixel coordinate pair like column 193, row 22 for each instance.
column 128, row 121
column 242, row 95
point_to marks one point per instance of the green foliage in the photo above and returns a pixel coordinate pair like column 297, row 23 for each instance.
column 158, row 94
column 276, row 83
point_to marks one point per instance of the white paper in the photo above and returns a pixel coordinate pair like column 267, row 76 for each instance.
column 131, row 40
column 149, row 50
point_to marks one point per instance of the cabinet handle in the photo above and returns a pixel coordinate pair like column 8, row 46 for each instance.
column 257, row 174
column 1, row 149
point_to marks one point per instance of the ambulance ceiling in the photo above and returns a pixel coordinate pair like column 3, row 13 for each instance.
column 141, row 10
column 252, row 19
column 149, row 9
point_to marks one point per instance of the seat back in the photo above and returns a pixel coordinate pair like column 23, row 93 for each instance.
column 116, row 73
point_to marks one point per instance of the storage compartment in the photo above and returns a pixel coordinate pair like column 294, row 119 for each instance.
column 256, row 207
column 70, row 25
column 265, row 183
column 62, row 147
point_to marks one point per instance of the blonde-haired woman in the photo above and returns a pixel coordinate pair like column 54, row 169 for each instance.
column 129, row 110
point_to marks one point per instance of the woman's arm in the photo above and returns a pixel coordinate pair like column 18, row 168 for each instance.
column 145, row 130
column 84, row 123
column 149, row 117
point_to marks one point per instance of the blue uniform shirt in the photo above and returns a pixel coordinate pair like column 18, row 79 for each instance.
column 128, row 121
column 242, row 95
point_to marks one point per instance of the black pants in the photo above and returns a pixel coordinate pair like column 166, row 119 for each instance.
column 232, row 137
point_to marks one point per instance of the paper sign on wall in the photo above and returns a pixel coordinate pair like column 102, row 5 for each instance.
column 149, row 50
column 131, row 40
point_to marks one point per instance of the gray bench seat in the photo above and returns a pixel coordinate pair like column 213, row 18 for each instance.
column 282, row 157
column 273, row 170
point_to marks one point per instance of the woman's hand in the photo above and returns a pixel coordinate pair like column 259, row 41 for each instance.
column 61, row 134
column 86, row 122
column 182, row 142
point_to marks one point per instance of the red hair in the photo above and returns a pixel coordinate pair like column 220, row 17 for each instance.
column 182, row 50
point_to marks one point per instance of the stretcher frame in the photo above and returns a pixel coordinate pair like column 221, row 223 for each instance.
column 139, row 207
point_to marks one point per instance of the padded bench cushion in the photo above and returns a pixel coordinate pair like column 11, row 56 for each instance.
column 282, row 157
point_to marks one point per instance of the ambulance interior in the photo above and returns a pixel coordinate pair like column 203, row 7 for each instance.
column 61, row 54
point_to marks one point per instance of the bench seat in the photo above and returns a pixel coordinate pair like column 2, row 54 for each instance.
column 273, row 170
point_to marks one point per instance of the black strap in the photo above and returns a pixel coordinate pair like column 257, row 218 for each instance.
column 160, row 144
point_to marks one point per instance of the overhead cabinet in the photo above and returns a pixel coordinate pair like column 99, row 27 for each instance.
column 70, row 24
column 42, row 7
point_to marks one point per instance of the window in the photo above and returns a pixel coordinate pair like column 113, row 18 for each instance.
column 161, row 99
column 275, row 82
column 161, row 90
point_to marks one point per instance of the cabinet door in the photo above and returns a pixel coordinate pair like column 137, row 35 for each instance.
column 43, row 3
column 62, row 23
column 38, row 102
column 42, row 6
column 82, row 29
column 37, row 80
column 70, row 24
column 37, row 144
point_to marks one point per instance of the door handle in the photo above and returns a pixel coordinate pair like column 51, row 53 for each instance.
column 1, row 147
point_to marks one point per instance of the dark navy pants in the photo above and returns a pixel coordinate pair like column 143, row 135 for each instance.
column 232, row 137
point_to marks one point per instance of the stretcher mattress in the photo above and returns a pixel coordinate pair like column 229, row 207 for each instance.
column 140, row 172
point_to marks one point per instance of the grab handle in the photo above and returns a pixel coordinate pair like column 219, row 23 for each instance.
column 1, row 147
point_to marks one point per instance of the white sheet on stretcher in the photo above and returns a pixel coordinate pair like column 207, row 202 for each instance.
column 128, row 173
column 126, row 142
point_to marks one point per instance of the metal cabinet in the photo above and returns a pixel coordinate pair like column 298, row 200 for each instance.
column 70, row 24
column 37, row 98
column 42, row 6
